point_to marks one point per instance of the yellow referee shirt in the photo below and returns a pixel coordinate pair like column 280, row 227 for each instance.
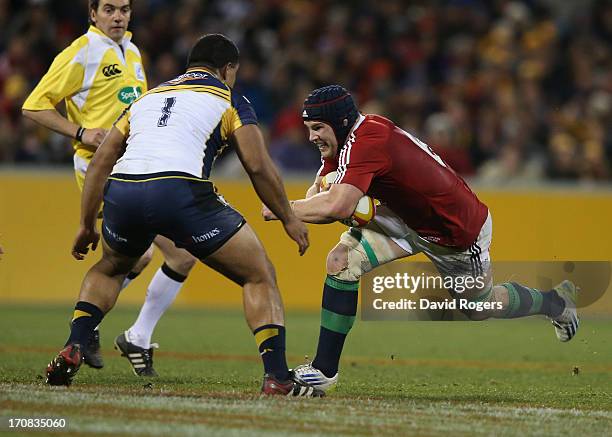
column 98, row 79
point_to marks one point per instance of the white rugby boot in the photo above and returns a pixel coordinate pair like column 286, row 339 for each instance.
column 310, row 375
column 566, row 324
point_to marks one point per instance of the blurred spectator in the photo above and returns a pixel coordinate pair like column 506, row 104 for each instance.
column 441, row 135
column 505, row 90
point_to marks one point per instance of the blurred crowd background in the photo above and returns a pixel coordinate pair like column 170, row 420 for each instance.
column 503, row 90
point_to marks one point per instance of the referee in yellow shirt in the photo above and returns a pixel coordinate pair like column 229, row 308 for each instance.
column 98, row 76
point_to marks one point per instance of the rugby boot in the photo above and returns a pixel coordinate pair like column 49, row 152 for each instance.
column 140, row 359
column 290, row 387
column 307, row 374
column 64, row 366
column 92, row 356
column 566, row 324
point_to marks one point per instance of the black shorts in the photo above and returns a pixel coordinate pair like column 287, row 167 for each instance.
column 178, row 206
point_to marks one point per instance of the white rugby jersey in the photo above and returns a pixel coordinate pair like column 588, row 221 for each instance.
column 181, row 126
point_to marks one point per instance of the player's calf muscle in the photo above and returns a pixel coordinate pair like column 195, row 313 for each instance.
column 263, row 305
column 494, row 300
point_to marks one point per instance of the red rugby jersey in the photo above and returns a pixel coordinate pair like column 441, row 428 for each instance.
column 401, row 171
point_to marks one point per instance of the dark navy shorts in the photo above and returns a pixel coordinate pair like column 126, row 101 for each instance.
column 178, row 206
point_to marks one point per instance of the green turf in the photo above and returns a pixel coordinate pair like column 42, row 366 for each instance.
column 427, row 378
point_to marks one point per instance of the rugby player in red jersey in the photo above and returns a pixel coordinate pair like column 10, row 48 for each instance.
column 426, row 208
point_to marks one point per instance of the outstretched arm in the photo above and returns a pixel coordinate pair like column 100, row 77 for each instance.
column 338, row 203
column 267, row 182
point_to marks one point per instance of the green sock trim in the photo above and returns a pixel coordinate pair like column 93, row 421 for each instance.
column 536, row 301
column 336, row 322
column 513, row 299
column 342, row 285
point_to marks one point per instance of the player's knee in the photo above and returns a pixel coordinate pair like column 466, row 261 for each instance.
column 188, row 264
column 359, row 251
column 113, row 265
column 265, row 271
column 261, row 272
column 337, row 260
column 345, row 262
column 271, row 271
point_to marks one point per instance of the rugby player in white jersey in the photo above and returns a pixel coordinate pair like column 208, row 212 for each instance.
column 155, row 162
column 98, row 76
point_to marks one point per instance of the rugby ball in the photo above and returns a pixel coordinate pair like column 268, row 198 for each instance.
column 366, row 207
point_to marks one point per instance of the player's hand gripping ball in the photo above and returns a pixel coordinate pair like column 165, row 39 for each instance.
column 366, row 207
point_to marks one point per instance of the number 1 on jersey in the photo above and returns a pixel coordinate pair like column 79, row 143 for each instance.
column 166, row 111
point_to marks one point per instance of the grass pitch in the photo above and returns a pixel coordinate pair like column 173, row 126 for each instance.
column 409, row 378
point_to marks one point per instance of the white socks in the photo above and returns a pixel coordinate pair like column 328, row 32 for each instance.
column 162, row 290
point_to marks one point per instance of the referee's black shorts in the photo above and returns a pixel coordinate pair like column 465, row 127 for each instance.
column 178, row 206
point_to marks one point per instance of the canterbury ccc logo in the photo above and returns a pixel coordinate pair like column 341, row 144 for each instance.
column 111, row 70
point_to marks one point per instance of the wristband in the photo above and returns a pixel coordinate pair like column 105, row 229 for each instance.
column 79, row 134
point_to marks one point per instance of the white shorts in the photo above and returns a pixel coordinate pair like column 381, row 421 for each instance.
column 449, row 261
